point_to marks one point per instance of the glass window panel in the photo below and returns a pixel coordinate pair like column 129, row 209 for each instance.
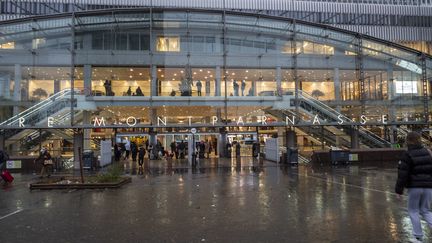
column 168, row 44
column 134, row 42
column 121, row 41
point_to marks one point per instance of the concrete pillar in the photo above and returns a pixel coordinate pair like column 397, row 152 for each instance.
column 278, row 79
column 78, row 143
column 152, row 138
column 87, row 80
column 154, row 81
column 354, row 138
column 6, row 79
column 393, row 128
column 290, row 138
column 219, row 114
column 153, row 116
column 17, row 87
column 2, row 142
column 56, row 86
column 191, row 149
column 86, row 132
column 87, row 42
column 207, row 87
column 2, row 86
column 254, row 83
column 218, row 81
column 390, row 82
column 337, row 88
column 222, row 141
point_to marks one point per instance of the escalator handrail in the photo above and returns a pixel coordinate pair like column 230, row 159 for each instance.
column 332, row 111
column 57, row 97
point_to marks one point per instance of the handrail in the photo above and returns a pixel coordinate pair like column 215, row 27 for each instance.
column 337, row 115
column 43, row 105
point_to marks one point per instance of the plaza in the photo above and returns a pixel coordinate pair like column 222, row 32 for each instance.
column 229, row 200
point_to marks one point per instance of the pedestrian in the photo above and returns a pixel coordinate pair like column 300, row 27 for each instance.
column 134, row 151
column 243, row 87
column 141, row 155
column 238, row 149
column 236, row 88
column 46, row 161
column 139, row 92
column 207, row 149
column 199, row 86
column 414, row 173
column 107, row 87
column 150, row 151
column 127, row 147
column 181, row 149
column 129, row 91
column 3, row 159
column 173, row 147
column 117, row 152
column 228, row 150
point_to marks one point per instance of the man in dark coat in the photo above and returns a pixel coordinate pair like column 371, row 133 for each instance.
column 415, row 173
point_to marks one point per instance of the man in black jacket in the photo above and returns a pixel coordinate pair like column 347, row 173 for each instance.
column 415, row 173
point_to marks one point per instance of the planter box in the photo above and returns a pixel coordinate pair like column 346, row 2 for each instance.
column 49, row 186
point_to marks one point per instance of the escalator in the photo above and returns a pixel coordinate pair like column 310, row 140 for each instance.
column 58, row 107
column 309, row 107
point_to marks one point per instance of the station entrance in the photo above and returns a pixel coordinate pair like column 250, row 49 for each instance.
column 204, row 144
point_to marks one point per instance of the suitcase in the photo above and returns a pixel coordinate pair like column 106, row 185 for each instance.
column 7, row 176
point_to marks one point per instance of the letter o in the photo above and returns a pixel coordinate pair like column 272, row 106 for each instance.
column 134, row 121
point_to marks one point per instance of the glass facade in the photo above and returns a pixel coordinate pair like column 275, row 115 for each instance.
column 192, row 68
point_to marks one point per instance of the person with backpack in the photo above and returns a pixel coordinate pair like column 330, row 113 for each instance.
column 46, row 161
column 414, row 173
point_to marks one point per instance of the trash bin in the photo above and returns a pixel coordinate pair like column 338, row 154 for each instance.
column 339, row 157
column 88, row 159
column 292, row 155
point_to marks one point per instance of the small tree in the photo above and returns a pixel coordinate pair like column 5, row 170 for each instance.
column 317, row 93
column 39, row 93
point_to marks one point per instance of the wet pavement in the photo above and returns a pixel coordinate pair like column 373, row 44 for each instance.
column 221, row 201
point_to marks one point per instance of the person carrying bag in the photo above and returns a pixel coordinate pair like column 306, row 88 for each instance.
column 46, row 161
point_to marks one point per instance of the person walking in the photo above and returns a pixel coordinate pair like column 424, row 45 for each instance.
column 173, row 147
column 414, row 173
column 134, row 151
column 141, row 155
column 243, row 86
column 236, row 88
column 107, row 88
column 199, row 87
column 46, row 161
column 181, row 149
column 127, row 149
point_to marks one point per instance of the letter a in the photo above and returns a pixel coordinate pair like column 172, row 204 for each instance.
column 316, row 120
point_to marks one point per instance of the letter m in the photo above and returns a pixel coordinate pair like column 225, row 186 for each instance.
column 98, row 122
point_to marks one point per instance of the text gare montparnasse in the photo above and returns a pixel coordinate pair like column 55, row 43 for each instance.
column 162, row 121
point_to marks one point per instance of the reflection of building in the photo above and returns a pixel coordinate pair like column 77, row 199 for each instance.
column 405, row 22
column 163, row 50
